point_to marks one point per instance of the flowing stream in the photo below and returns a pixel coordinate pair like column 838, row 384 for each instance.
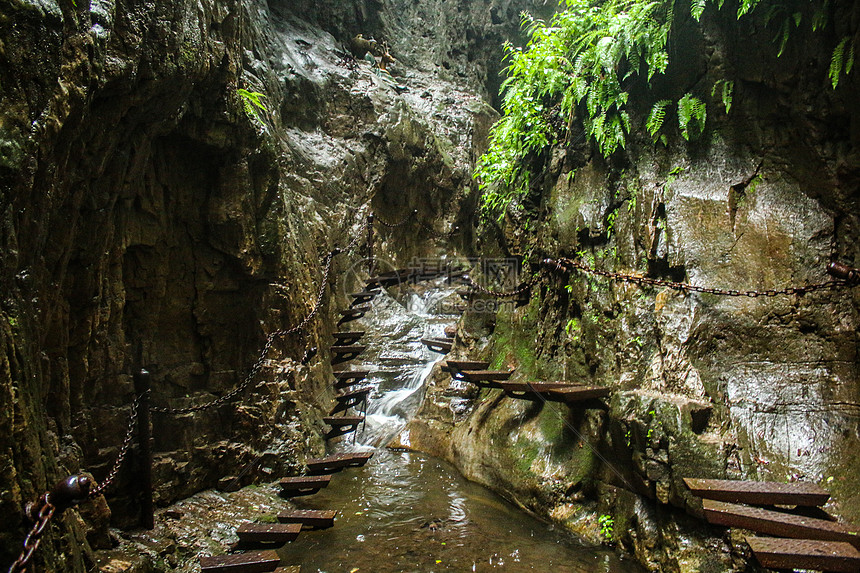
column 406, row 512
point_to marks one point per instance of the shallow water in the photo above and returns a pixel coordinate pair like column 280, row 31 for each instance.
column 406, row 512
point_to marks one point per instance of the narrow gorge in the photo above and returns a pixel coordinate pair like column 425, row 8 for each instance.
column 198, row 189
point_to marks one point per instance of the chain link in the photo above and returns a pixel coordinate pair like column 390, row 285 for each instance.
column 270, row 340
column 31, row 542
column 500, row 294
column 436, row 234
column 123, row 450
column 564, row 264
column 399, row 223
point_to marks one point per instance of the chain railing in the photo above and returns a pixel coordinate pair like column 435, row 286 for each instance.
column 414, row 216
column 123, row 450
column 78, row 488
column 566, row 265
column 400, row 223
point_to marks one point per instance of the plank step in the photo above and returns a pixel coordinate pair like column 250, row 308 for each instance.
column 351, row 374
column 793, row 554
column 353, row 313
column 249, row 533
column 364, row 296
column 534, row 387
column 778, row 523
column 309, row 518
column 343, row 420
column 303, row 485
column 348, row 337
column 552, row 391
column 578, row 394
column 344, row 402
column 250, row 562
column 342, row 425
column 348, row 349
column 455, row 366
column 485, row 375
column 337, row 462
column 437, row 345
column 759, row 492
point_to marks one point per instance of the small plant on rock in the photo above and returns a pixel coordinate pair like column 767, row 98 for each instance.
column 607, row 528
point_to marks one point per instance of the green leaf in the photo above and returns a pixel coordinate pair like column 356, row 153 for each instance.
column 692, row 116
column 656, row 117
column 837, row 61
column 696, row 8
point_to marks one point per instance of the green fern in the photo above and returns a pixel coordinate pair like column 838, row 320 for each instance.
column 726, row 89
column 840, row 61
column 251, row 101
column 692, row 115
column 656, row 117
column 696, row 8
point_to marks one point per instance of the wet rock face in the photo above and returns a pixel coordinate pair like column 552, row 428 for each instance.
column 144, row 215
column 705, row 385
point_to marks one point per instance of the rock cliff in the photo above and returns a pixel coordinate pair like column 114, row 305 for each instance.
column 148, row 206
column 703, row 385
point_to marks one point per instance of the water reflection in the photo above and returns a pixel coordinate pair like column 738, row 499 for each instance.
column 406, row 512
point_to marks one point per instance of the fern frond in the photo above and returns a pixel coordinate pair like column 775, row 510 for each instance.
column 692, row 115
column 696, row 8
column 837, row 60
column 250, row 102
column 656, row 117
column 726, row 89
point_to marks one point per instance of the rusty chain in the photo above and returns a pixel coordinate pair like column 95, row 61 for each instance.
column 433, row 232
column 123, row 450
column 436, row 234
column 399, row 223
column 564, row 264
column 31, row 542
column 270, row 340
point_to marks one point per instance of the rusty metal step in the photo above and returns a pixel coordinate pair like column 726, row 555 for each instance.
column 348, row 337
column 345, row 353
column 351, row 374
column 250, row 562
column 256, row 533
column 337, row 462
column 758, row 492
column 534, row 387
column 363, row 297
column 577, row 394
column 437, row 344
column 456, row 366
column 303, row 485
column 350, row 399
column 486, row 375
column 342, row 425
column 553, row 391
column 774, row 553
column 778, row 523
column 353, row 313
column 309, row 518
